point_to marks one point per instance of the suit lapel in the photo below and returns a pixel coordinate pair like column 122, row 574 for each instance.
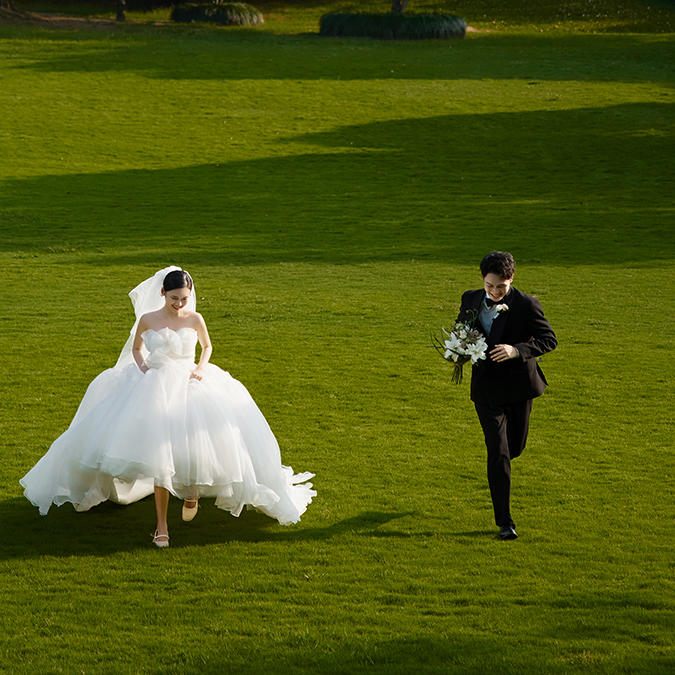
column 497, row 329
column 501, row 320
column 477, row 301
column 474, row 310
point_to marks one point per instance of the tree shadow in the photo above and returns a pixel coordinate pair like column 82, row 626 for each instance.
column 180, row 53
column 414, row 652
column 583, row 186
column 110, row 528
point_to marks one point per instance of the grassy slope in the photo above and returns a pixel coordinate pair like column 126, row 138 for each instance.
column 332, row 199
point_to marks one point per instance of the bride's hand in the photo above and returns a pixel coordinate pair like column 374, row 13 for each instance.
column 196, row 374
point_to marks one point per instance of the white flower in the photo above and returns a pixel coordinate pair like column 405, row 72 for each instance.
column 502, row 308
column 477, row 350
column 453, row 344
column 463, row 344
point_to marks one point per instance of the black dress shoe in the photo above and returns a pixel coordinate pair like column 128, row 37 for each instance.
column 507, row 532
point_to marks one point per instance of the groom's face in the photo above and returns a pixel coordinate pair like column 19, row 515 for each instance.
column 495, row 286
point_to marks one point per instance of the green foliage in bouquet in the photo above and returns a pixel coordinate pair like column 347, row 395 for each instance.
column 225, row 13
column 393, row 26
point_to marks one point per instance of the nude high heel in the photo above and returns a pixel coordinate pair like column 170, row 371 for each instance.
column 189, row 512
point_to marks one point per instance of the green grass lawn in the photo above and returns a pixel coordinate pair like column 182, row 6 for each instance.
column 332, row 199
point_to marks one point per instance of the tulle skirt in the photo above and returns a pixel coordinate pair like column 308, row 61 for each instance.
column 135, row 431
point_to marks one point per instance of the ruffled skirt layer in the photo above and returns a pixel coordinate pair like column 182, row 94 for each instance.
column 135, row 431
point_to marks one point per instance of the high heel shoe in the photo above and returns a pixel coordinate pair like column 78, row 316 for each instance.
column 189, row 512
column 160, row 540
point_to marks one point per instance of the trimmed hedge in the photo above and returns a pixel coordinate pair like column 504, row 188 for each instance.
column 393, row 26
column 225, row 14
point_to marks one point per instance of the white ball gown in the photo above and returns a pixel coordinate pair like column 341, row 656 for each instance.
column 197, row 438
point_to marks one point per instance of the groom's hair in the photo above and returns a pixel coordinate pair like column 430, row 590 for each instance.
column 498, row 262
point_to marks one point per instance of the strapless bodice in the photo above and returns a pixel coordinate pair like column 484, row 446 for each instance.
column 167, row 345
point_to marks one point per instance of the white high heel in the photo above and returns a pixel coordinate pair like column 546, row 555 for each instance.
column 160, row 540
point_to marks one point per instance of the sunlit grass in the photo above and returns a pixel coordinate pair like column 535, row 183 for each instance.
column 332, row 199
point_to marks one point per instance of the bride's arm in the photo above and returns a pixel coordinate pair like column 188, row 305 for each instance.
column 138, row 343
column 205, row 343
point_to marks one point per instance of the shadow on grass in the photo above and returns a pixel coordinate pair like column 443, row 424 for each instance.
column 584, row 186
column 187, row 53
column 110, row 528
column 452, row 652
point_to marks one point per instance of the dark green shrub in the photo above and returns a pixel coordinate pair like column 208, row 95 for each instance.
column 393, row 26
column 225, row 13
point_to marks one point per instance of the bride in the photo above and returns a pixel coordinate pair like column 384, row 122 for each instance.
column 156, row 422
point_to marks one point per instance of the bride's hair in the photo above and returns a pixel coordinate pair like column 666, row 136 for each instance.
column 177, row 279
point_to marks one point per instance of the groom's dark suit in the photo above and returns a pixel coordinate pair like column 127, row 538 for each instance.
column 502, row 392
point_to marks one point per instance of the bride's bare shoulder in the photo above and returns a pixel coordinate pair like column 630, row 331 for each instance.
column 148, row 320
column 194, row 318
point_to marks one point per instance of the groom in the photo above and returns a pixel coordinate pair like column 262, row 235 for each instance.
column 503, row 386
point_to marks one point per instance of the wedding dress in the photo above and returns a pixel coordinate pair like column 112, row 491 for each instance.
column 197, row 438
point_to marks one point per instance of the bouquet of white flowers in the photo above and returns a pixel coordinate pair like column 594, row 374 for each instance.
column 462, row 344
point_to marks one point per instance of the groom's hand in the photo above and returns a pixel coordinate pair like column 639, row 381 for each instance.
column 503, row 353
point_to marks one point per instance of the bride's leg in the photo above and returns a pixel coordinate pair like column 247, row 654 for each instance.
column 162, row 506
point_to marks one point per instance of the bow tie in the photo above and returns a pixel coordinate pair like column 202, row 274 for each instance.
column 490, row 303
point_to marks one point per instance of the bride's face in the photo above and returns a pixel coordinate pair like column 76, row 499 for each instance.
column 176, row 298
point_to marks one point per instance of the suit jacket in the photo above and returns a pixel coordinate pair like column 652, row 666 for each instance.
column 524, row 326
